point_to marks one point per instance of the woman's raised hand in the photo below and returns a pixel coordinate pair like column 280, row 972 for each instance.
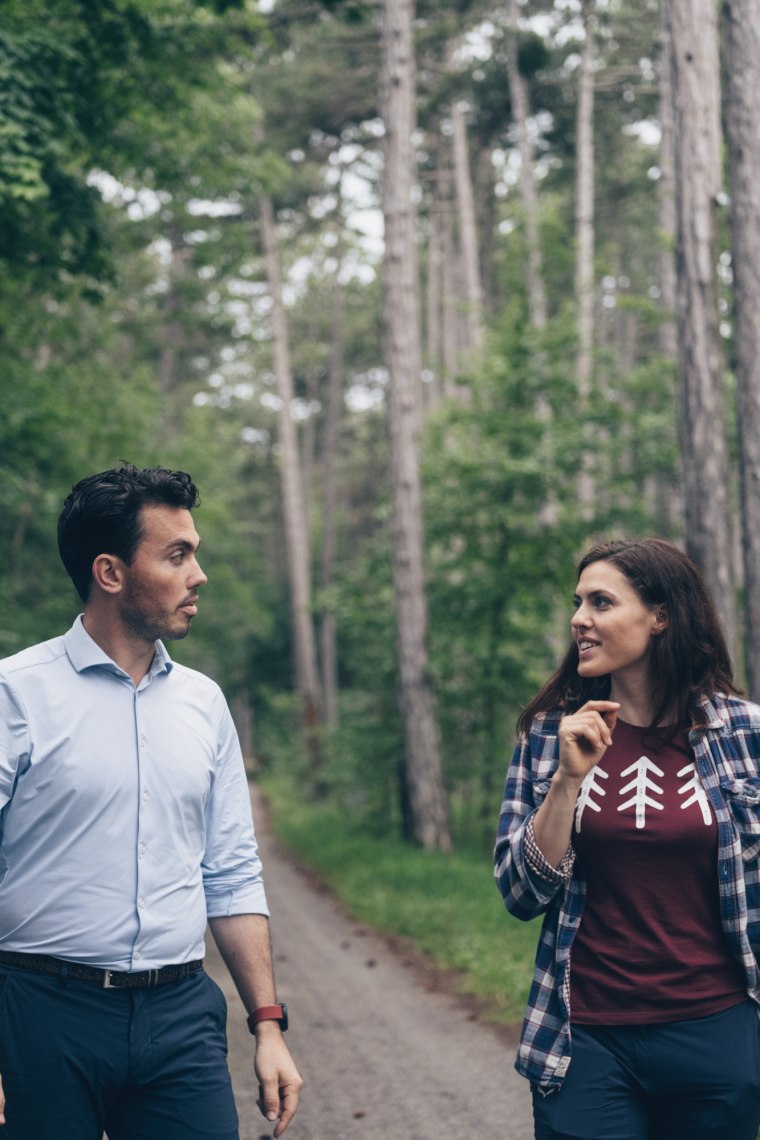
column 585, row 736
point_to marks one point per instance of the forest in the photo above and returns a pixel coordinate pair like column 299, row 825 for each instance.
column 426, row 297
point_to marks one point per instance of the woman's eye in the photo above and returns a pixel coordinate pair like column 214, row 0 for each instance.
column 601, row 602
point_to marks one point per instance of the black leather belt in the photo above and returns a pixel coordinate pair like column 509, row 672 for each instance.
column 108, row 979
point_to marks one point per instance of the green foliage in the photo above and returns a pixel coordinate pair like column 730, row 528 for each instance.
column 83, row 86
column 532, row 54
column 139, row 328
column 62, row 418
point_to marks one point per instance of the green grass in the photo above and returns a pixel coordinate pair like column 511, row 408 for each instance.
column 446, row 907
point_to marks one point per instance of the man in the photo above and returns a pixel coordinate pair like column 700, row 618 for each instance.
column 125, row 825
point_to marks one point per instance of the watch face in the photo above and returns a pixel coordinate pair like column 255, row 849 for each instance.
column 284, row 1018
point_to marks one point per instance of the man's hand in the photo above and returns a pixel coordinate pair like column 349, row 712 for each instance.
column 279, row 1080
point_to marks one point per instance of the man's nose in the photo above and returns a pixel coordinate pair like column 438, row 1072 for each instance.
column 198, row 578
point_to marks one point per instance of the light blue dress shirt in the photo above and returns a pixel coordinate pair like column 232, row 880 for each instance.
column 125, row 816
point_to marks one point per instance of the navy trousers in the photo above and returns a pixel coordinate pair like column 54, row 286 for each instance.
column 77, row 1060
column 687, row 1080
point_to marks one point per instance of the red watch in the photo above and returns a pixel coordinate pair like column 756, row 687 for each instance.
column 277, row 1013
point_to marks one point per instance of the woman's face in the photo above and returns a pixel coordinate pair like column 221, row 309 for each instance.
column 611, row 626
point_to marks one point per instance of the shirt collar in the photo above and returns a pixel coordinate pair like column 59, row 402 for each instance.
column 84, row 653
column 714, row 719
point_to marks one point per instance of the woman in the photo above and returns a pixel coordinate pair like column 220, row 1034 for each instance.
column 631, row 822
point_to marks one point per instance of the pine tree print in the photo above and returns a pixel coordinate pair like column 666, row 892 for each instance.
column 641, row 785
column 698, row 794
column 592, row 784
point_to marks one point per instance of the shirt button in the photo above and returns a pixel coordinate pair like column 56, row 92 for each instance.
column 141, row 902
column 138, row 955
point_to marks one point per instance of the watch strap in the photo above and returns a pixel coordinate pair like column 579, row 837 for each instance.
column 278, row 1012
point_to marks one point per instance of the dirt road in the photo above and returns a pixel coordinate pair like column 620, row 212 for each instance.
column 383, row 1057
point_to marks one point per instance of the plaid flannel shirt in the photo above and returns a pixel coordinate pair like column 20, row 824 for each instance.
column 727, row 756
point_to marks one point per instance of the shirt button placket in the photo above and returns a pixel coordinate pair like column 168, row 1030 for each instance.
column 142, row 825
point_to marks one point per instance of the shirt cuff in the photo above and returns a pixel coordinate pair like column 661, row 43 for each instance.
column 537, row 863
column 242, row 900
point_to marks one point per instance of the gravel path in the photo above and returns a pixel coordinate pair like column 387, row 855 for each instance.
column 383, row 1057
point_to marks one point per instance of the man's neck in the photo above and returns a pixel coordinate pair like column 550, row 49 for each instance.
column 132, row 654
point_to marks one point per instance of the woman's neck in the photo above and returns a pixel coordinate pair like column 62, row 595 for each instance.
column 635, row 698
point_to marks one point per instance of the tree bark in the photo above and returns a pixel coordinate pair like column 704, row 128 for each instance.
column 402, row 350
column 296, row 530
column 468, row 232
column 665, row 497
column 518, row 89
column 584, row 237
column 327, row 626
column 741, row 27
column 172, row 334
column 434, row 298
column 694, row 54
column 449, row 339
column 666, row 193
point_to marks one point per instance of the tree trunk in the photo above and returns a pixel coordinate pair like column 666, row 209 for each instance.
column 584, row 237
column 172, row 334
column 518, row 89
column 468, row 233
column 449, row 338
column 434, row 297
column 402, row 350
column 309, row 428
column 667, row 500
column 296, row 531
column 666, row 193
column 741, row 26
column 537, row 304
column 694, row 54
column 488, row 214
column 327, row 629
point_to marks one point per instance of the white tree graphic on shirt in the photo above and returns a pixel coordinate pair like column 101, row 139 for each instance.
column 591, row 784
column 642, row 786
column 698, row 794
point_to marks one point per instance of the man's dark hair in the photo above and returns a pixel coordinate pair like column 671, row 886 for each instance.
column 102, row 515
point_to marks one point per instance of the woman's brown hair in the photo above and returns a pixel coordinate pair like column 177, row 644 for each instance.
column 690, row 660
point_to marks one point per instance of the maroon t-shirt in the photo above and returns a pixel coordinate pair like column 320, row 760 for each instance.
column 649, row 947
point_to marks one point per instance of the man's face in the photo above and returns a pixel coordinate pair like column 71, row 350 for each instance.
column 160, row 593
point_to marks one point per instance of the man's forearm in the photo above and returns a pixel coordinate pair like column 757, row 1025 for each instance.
column 245, row 945
column 246, row 948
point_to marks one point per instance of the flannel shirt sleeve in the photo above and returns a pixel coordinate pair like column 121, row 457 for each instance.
column 527, row 882
column 534, row 857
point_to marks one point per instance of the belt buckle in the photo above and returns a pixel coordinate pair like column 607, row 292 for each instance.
column 107, row 983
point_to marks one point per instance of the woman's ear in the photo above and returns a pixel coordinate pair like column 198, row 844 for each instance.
column 660, row 621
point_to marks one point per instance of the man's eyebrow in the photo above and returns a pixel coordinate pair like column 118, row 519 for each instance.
column 183, row 544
